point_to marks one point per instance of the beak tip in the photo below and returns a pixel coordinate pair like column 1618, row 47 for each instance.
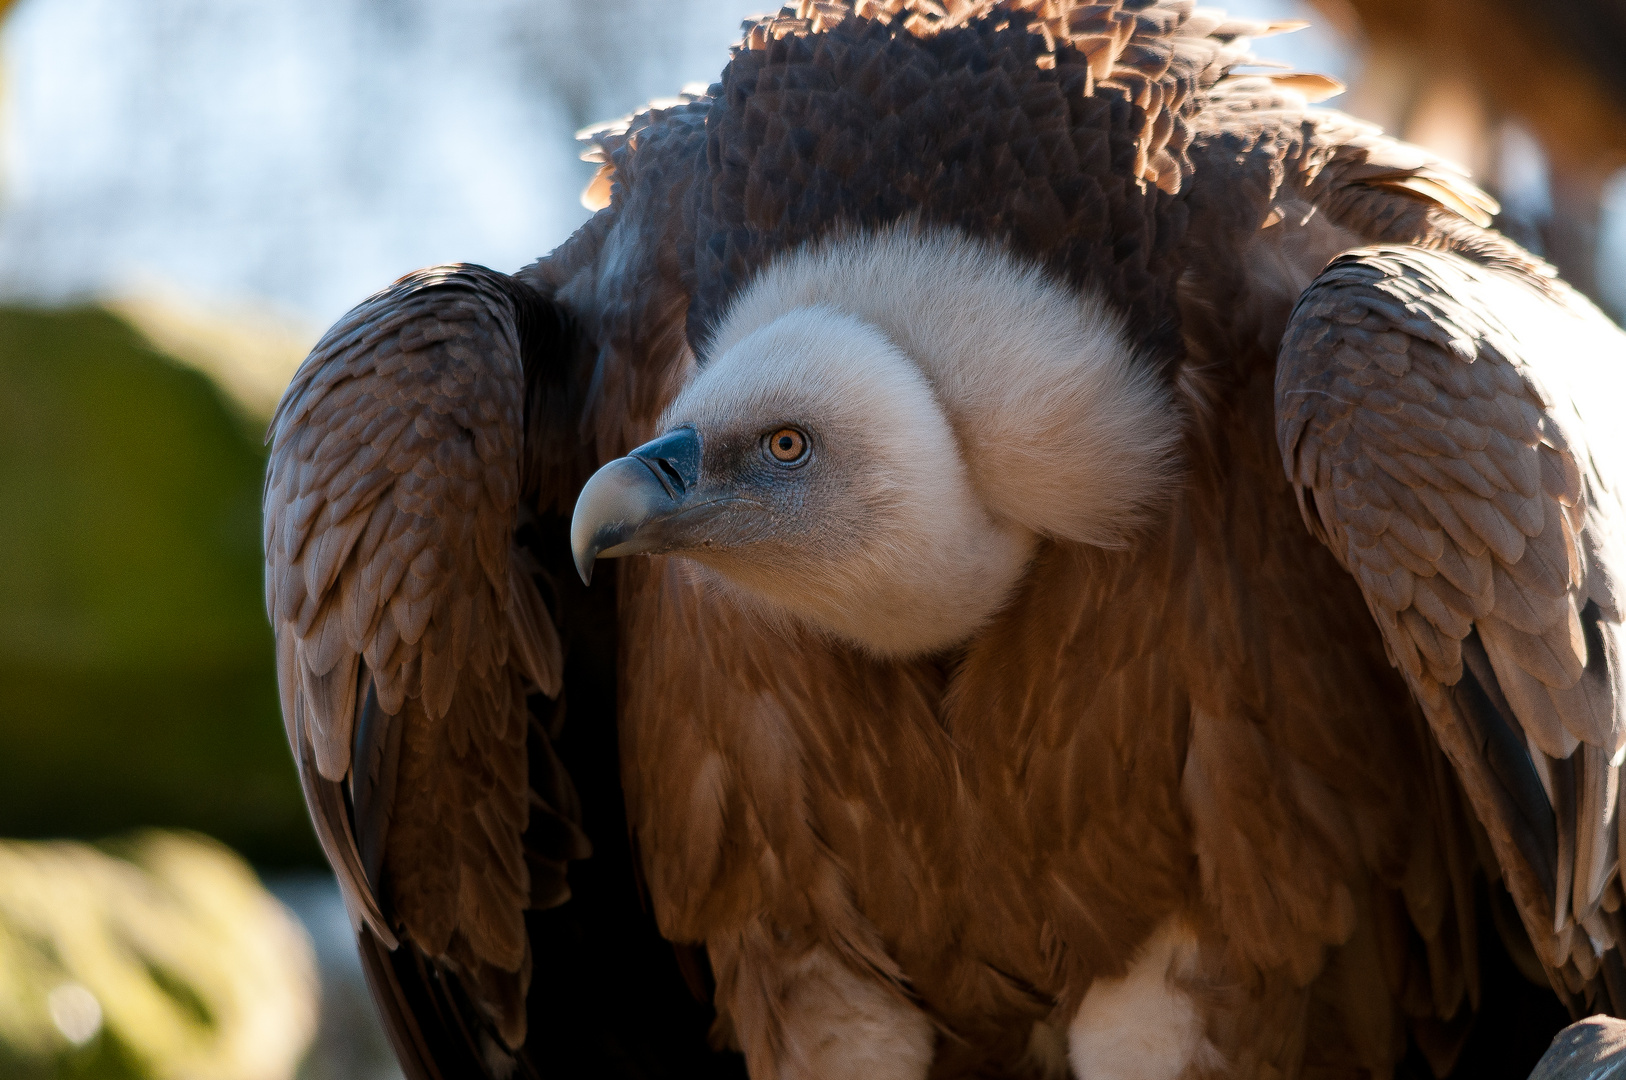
column 584, row 555
column 626, row 497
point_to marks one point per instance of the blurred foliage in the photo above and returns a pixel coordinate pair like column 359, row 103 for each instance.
column 159, row 956
column 136, row 665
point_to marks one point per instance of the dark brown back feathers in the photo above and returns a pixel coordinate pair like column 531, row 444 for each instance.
column 1059, row 128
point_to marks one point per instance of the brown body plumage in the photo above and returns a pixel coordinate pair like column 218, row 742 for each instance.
column 1171, row 802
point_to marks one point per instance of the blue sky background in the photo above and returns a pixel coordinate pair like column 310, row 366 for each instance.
column 302, row 153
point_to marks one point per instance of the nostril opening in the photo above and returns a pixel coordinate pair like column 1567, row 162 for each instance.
column 671, row 471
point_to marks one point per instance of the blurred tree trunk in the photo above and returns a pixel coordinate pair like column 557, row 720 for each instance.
column 1449, row 73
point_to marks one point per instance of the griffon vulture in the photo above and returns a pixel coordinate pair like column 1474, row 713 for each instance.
column 1125, row 583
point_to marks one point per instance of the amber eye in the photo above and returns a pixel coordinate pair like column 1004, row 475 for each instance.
column 787, row 445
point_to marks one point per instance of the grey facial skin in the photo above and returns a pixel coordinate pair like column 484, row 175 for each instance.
column 659, row 499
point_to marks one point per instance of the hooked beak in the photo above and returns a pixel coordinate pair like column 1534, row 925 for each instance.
column 622, row 506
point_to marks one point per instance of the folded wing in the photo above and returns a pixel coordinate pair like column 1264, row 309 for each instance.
column 411, row 630
column 1450, row 429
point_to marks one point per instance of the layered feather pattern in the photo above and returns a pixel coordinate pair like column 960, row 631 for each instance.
column 401, row 602
column 1428, row 416
column 1196, row 737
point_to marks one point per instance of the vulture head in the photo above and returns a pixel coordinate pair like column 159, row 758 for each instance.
column 880, row 432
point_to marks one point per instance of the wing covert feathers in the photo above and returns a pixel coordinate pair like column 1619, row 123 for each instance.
column 398, row 597
column 1448, row 429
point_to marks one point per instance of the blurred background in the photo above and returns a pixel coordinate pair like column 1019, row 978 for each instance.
column 190, row 191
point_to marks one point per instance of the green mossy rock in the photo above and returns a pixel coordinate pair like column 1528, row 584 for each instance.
column 137, row 680
column 155, row 957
